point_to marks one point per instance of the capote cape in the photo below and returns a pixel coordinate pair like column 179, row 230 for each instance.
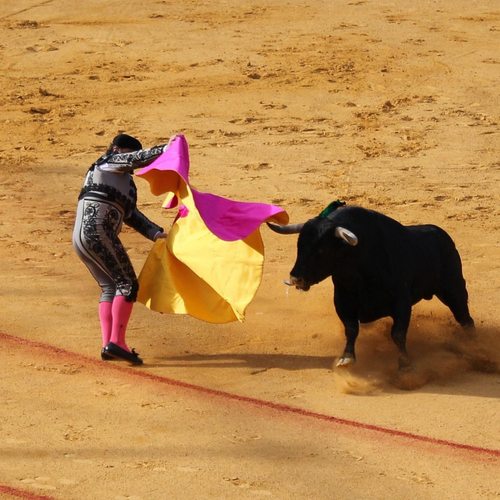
column 210, row 265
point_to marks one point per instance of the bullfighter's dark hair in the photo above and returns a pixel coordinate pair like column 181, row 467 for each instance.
column 126, row 142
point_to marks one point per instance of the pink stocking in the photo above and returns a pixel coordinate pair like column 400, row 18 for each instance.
column 106, row 320
column 121, row 314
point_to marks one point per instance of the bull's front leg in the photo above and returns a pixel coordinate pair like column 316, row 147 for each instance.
column 348, row 358
column 345, row 305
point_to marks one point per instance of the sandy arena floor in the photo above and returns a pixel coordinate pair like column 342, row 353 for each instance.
column 393, row 106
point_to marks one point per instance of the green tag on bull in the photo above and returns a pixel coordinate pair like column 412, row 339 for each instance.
column 331, row 208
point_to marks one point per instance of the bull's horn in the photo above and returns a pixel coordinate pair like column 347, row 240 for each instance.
column 346, row 235
column 291, row 229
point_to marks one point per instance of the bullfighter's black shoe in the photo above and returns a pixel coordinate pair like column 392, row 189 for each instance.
column 105, row 356
column 115, row 351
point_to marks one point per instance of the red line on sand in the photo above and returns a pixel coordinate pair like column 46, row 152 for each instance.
column 254, row 401
column 23, row 494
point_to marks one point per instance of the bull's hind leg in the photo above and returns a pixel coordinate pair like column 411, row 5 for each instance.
column 398, row 334
column 454, row 292
column 460, row 311
column 399, row 339
column 456, row 298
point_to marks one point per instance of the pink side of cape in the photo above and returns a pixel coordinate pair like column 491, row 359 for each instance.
column 228, row 220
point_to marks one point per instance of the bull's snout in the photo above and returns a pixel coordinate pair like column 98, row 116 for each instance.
column 299, row 283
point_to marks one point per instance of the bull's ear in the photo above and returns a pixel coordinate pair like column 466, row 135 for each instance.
column 346, row 235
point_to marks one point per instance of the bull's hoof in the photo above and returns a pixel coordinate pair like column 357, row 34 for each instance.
column 468, row 323
column 470, row 328
column 346, row 362
column 405, row 365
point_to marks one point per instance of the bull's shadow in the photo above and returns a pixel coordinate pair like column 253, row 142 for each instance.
column 446, row 358
column 450, row 376
column 257, row 362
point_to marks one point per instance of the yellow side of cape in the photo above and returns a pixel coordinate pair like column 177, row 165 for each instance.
column 194, row 272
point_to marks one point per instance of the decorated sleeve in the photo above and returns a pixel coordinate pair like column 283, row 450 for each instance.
column 127, row 162
column 138, row 221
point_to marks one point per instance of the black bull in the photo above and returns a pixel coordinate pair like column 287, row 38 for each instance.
column 379, row 268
